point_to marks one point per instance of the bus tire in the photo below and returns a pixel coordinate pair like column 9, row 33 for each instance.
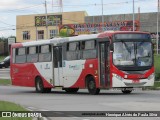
column 71, row 90
column 125, row 91
column 91, row 85
column 47, row 90
column 39, row 85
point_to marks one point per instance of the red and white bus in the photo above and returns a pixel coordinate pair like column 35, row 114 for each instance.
column 115, row 59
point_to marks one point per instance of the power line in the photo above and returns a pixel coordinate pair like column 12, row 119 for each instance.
column 21, row 9
column 73, row 5
column 126, row 2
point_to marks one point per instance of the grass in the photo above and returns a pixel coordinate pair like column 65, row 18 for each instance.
column 157, row 84
column 155, row 87
column 8, row 106
column 5, row 82
column 157, row 66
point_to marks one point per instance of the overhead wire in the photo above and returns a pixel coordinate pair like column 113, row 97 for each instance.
column 20, row 9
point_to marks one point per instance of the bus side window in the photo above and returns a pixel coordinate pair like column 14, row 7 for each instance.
column 20, row 55
column 32, row 54
column 88, row 49
column 45, row 53
column 73, row 52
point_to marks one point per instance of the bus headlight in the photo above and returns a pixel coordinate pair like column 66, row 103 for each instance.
column 118, row 77
column 151, row 76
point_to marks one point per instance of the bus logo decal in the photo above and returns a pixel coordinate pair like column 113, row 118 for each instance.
column 47, row 66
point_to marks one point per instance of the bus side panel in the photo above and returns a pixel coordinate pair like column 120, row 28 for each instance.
column 71, row 71
column 24, row 75
column 45, row 70
column 90, row 68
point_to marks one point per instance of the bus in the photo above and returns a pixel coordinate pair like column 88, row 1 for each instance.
column 114, row 59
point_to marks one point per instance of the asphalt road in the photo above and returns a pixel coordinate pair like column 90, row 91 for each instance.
column 5, row 73
column 57, row 100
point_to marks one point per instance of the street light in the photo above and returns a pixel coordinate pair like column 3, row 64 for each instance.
column 46, row 19
column 133, row 15
column 102, row 15
column 157, row 25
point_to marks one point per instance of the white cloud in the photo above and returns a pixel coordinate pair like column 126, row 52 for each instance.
column 6, row 4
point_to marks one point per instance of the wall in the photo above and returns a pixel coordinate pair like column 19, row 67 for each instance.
column 27, row 23
column 148, row 21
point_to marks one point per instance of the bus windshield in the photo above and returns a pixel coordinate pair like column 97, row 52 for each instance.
column 132, row 54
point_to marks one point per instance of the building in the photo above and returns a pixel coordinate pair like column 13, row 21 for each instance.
column 148, row 21
column 33, row 27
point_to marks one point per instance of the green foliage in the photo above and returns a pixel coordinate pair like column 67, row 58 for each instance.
column 157, row 84
column 2, row 58
column 157, row 66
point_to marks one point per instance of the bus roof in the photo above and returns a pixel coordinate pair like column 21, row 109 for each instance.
column 74, row 38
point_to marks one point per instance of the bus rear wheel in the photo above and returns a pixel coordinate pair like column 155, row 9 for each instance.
column 91, row 85
column 40, row 87
column 71, row 90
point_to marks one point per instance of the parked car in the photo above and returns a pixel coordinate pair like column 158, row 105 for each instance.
column 5, row 63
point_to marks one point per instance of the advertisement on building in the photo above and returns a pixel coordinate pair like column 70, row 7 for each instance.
column 53, row 20
column 87, row 28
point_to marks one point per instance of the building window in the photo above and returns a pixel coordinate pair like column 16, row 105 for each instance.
column 26, row 35
column 40, row 34
column 53, row 33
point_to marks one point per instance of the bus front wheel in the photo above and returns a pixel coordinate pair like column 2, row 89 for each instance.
column 126, row 91
column 91, row 85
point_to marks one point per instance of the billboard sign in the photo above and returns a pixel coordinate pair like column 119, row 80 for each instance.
column 53, row 20
column 87, row 28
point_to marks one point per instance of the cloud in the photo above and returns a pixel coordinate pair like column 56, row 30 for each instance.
column 6, row 4
column 19, row 6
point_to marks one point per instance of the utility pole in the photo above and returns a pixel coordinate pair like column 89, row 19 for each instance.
column 102, row 16
column 157, row 26
column 133, row 15
column 46, row 20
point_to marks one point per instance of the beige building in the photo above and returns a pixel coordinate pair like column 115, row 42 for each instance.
column 33, row 27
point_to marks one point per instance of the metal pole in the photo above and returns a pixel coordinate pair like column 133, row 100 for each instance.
column 157, row 25
column 36, row 33
column 102, row 16
column 46, row 20
column 133, row 15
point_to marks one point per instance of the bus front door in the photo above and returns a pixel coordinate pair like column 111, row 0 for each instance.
column 57, row 62
column 104, row 64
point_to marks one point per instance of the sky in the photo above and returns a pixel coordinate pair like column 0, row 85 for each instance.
column 9, row 9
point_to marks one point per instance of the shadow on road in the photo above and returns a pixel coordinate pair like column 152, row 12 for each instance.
column 108, row 93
